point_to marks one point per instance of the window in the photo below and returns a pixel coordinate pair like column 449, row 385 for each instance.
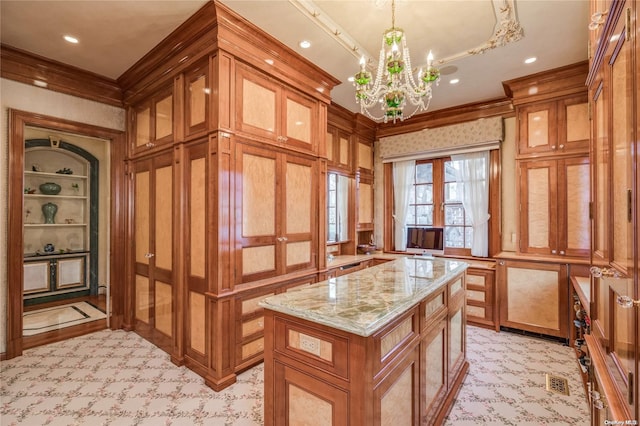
column 436, row 200
column 337, row 208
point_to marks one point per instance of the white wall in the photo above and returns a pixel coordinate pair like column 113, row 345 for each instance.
column 38, row 100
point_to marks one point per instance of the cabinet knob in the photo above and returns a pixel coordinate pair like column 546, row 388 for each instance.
column 561, row 251
column 149, row 255
column 561, row 146
column 604, row 272
column 149, row 144
column 553, row 252
column 627, row 302
column 553, row 147
column 597, row 19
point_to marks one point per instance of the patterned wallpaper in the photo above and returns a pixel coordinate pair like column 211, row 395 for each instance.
column 470, row 133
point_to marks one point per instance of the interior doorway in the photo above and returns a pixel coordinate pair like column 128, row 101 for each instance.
column 80, row 248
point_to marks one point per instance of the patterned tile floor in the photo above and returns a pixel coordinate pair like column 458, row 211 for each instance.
column 117, row 378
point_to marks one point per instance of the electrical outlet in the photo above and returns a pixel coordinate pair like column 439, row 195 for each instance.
column 310, row 344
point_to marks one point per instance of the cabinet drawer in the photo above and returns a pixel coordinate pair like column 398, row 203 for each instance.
column 477, row 280
column 252, row 326
column 476, row 295
column 252, row 348
column 476, row 311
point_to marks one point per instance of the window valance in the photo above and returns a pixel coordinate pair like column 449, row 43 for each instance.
column 478, row 135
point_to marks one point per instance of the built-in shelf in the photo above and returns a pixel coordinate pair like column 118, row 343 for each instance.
column 52, row 225
column 54, row 175
column 67, row 197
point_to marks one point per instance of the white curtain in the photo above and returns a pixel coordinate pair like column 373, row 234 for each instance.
column 343, row 208
column 473, row 172
column 403, row 176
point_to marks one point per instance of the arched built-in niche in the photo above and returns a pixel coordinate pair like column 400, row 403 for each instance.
column 61, row 257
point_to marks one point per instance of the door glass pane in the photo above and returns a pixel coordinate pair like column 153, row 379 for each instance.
column 424, row 173
column 424, row 215
column 454, row 236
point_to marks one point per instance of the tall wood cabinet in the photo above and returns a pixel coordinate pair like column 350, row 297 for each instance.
column 614, row 81
column 226, row 155
column 553, row 186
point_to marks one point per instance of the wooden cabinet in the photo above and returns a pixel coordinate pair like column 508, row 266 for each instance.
column 277, row 202
column 339, row 152
column 481, row 297
column 153, row 248
column 554, row 127
column 152, row 122
column 554, row 207
column 534, row 297
column 275, row 113
column 614, row 348
column 405, row 373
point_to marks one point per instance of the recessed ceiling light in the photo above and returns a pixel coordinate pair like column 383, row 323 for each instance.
column 71, row 39
column 351, row 79
column 530, row 60
column 305, row 44
column 454, row 81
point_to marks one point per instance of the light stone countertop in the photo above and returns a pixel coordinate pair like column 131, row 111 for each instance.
column 365, row 301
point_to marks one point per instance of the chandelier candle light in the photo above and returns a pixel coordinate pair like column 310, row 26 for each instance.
column 394, row 83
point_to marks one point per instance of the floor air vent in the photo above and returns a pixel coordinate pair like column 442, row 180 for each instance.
column 557, row 384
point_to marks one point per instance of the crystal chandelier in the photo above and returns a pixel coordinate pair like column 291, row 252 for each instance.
column 394, row 84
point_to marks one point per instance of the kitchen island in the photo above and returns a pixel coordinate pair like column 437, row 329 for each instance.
column 381, row 346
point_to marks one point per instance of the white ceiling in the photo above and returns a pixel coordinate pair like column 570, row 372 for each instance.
column 115, row 34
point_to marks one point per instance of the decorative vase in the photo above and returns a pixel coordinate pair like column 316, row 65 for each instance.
column 49, row 210
column 50, row 188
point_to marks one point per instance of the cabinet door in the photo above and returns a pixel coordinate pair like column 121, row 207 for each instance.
column 538, row 207
column 434, row 369
column 299, row 213
column 300, row 121
column 153, row 240
column 196, row 99
column 257, row 100
column 573, row 125
column 534, row 297
column 622, row 97
column 258, row 233
column 364, row 155
column 601, row 192
column 538, row 128
column 573, row 207
column 364, row 195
